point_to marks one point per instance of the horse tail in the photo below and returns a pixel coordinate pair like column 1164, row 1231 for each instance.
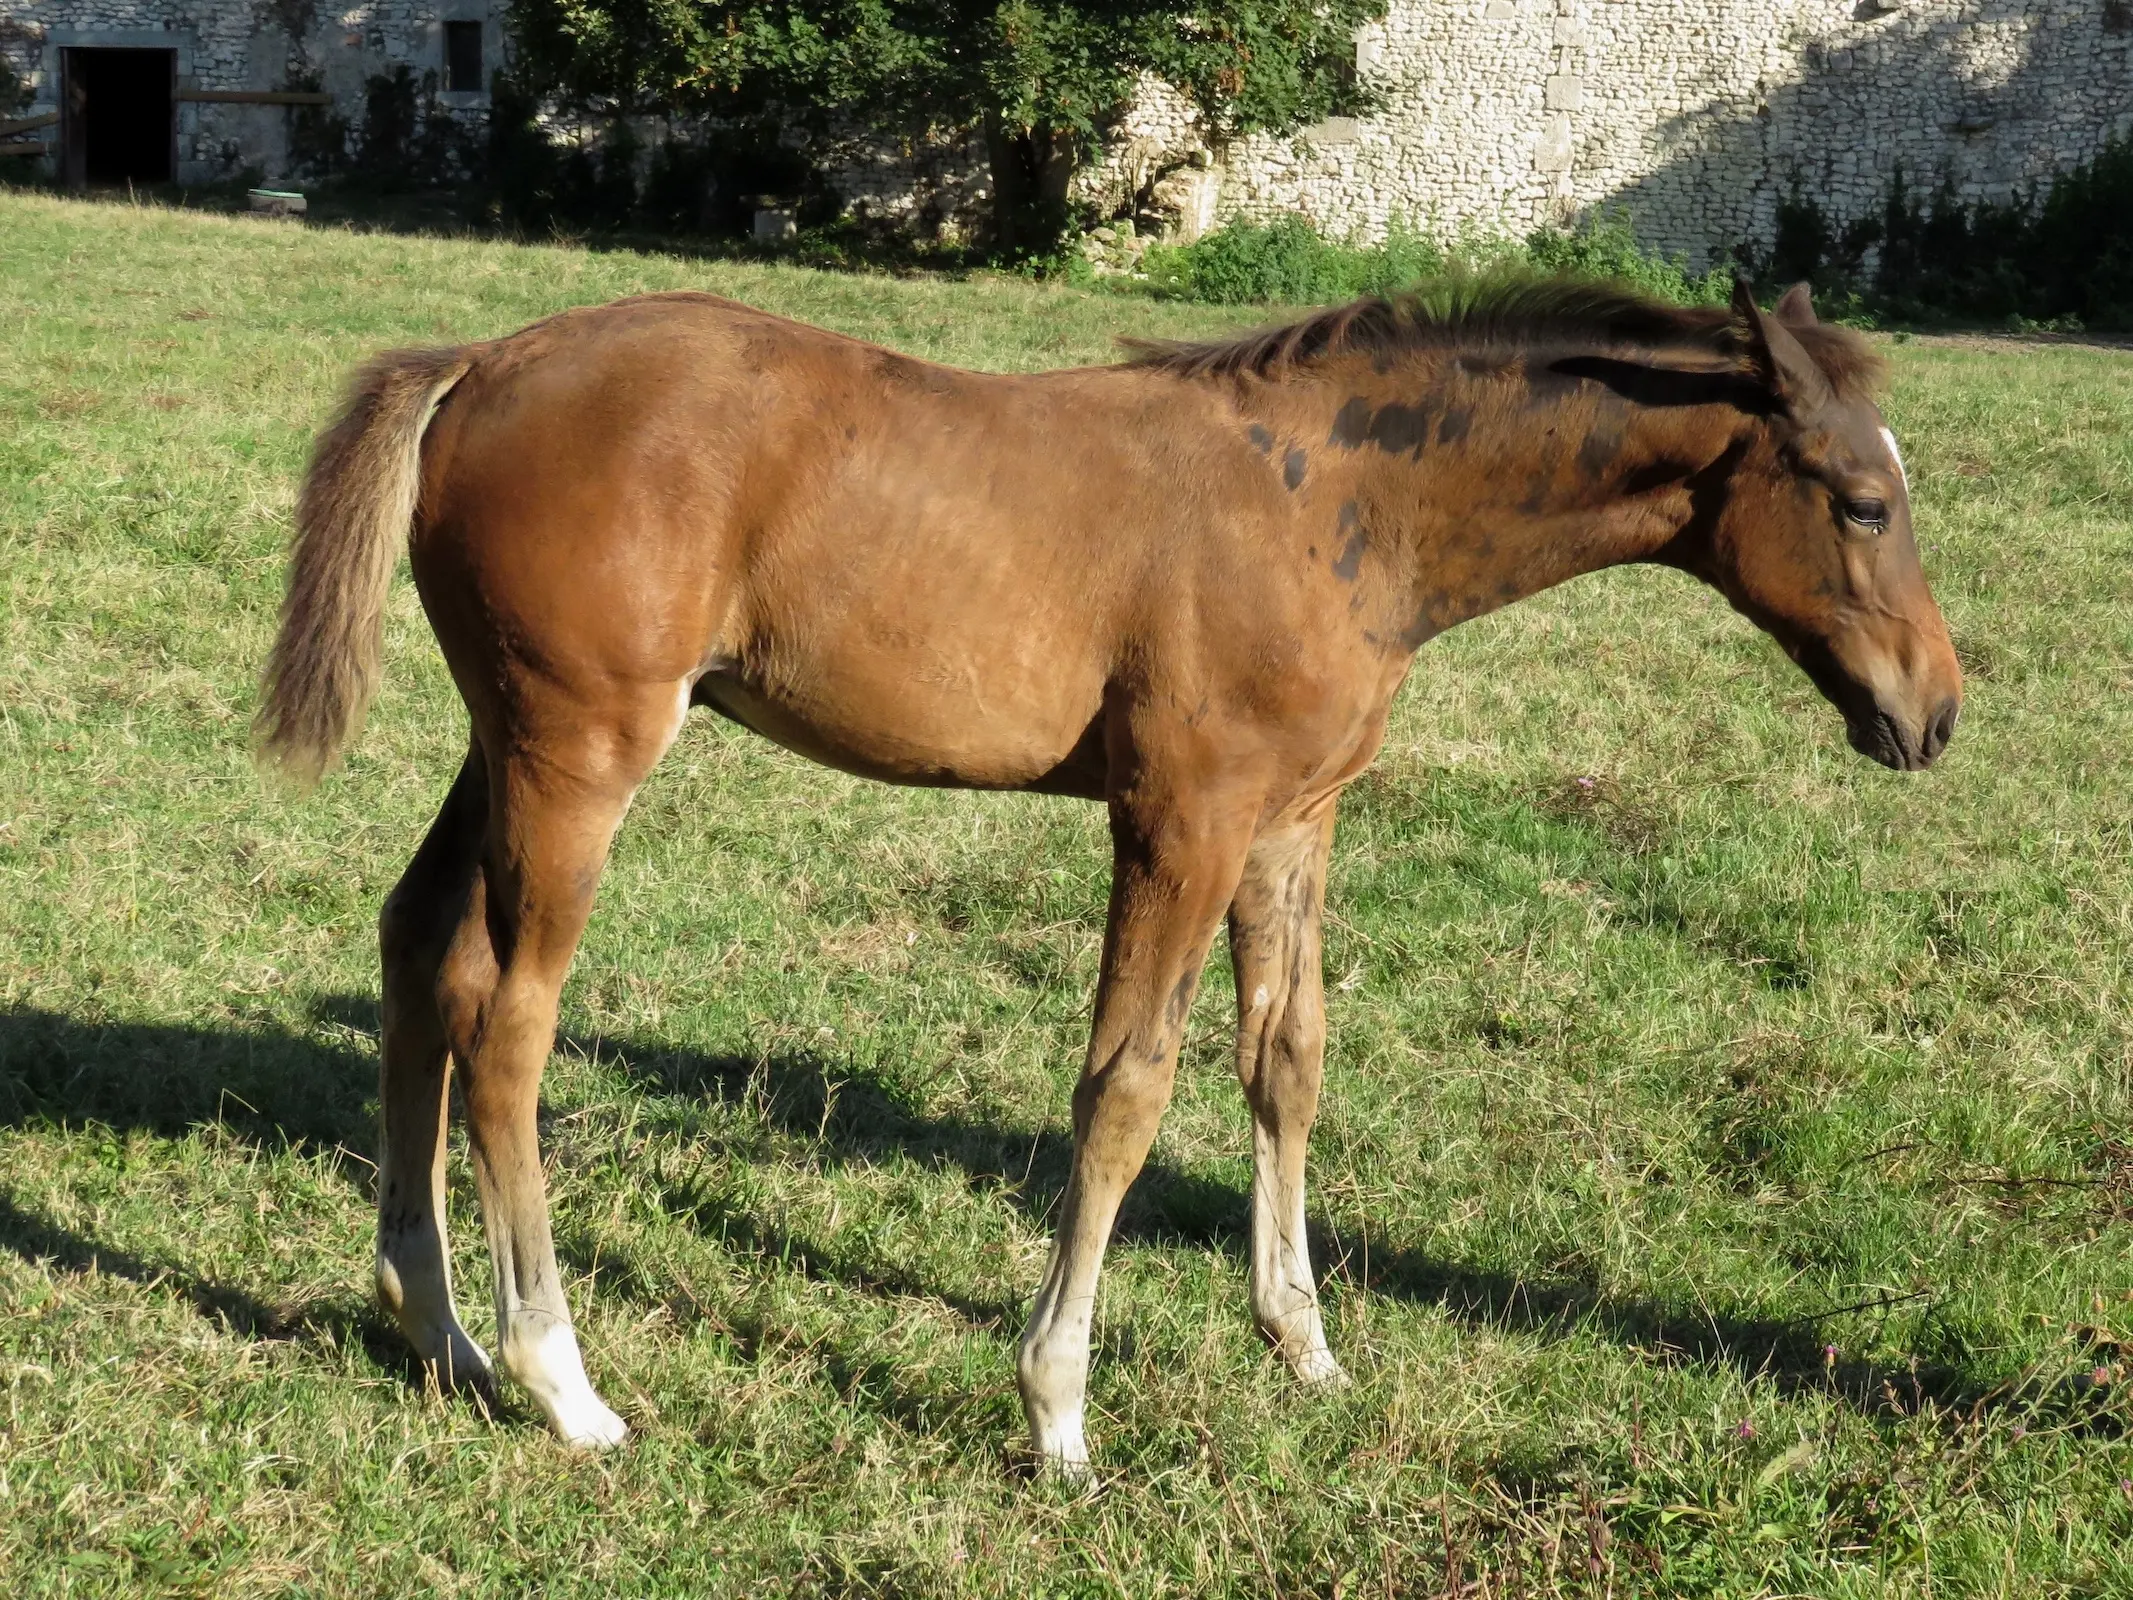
column 352, row 520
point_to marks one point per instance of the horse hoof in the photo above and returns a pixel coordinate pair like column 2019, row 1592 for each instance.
column 1316, row 1369
column 1064, row 1458
column 1073, row 1471
column 459, row 1366
column 588, row 1425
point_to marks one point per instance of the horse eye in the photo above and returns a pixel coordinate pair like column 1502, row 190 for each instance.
column 1868, row 513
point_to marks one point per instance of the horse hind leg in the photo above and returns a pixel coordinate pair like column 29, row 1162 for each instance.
column 1281, row 1042
column 415, row 931
column 554, row 805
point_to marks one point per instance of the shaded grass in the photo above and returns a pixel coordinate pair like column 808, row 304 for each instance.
column 1723, row 1187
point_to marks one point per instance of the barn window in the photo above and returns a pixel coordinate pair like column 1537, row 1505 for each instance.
column 462, row 57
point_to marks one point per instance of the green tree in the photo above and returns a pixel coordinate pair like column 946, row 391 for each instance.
column 1040, row 80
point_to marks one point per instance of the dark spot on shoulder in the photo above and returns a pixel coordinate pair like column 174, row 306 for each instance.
column 1455, row 424
column 1600, row 448
column 1400, row 430
column 1351, row 424
column 1544, row 387
column 1292, row 470
column 1394, row 429
column 1419, row 632
column 1262, row 438
column 850, row 433
column 1433, row 616
column 1350, row 561
column 1537, row 487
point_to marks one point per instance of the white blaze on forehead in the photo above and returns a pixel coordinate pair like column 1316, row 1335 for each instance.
column 1896, row 456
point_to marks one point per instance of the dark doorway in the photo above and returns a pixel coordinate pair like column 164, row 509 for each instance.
column 462, row 57
column 118, row 122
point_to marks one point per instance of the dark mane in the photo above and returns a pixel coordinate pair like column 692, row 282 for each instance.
column 1497, row 314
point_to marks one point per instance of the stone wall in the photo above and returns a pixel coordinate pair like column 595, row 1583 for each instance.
column 254, row 45
column 1697, row 117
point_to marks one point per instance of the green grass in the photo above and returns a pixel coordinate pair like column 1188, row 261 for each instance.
column 1725, row 1179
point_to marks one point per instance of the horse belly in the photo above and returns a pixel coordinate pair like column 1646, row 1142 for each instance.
column 904, row 718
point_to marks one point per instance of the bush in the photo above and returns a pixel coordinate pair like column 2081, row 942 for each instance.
column 2065, row 260
column 1605, row 246
column 1287, row 262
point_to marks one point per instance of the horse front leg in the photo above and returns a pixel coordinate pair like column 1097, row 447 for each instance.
column 1175, row 865
column 1274, row 944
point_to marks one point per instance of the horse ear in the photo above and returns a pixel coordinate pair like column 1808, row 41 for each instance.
column 1797, row 306
column 1775, row 357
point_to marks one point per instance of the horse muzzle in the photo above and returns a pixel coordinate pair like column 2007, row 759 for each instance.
column 1897, row 742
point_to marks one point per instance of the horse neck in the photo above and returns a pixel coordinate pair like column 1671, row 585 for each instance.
column 1479, row 480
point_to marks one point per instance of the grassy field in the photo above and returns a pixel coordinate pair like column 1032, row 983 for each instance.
column 1725, row 1187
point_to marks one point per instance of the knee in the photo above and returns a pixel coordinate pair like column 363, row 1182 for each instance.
column 1132, row 1089
column 1281, row 1075
column 501, row 1026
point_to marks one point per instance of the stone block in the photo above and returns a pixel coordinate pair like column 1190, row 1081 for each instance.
column 1555, row 147
column 1332, row 131
column 1564, row 92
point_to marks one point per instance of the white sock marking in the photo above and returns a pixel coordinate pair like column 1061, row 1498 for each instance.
column 554, row 1375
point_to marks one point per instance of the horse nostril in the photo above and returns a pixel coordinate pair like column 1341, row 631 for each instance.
column 1942, row 728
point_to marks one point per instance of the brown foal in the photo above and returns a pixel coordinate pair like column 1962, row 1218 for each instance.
column 1187, row 586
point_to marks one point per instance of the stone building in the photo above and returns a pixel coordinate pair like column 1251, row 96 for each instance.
column 1698, row 118
column 205, row 90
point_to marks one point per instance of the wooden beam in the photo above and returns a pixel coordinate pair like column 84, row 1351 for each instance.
column 24, row 149
column 29, row 124
column 255, row 97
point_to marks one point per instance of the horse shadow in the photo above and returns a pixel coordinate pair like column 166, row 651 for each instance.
column 851, row 1116
column 277, row 1088
column 264, row 1085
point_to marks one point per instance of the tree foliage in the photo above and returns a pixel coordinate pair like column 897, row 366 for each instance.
column 1039, row 79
